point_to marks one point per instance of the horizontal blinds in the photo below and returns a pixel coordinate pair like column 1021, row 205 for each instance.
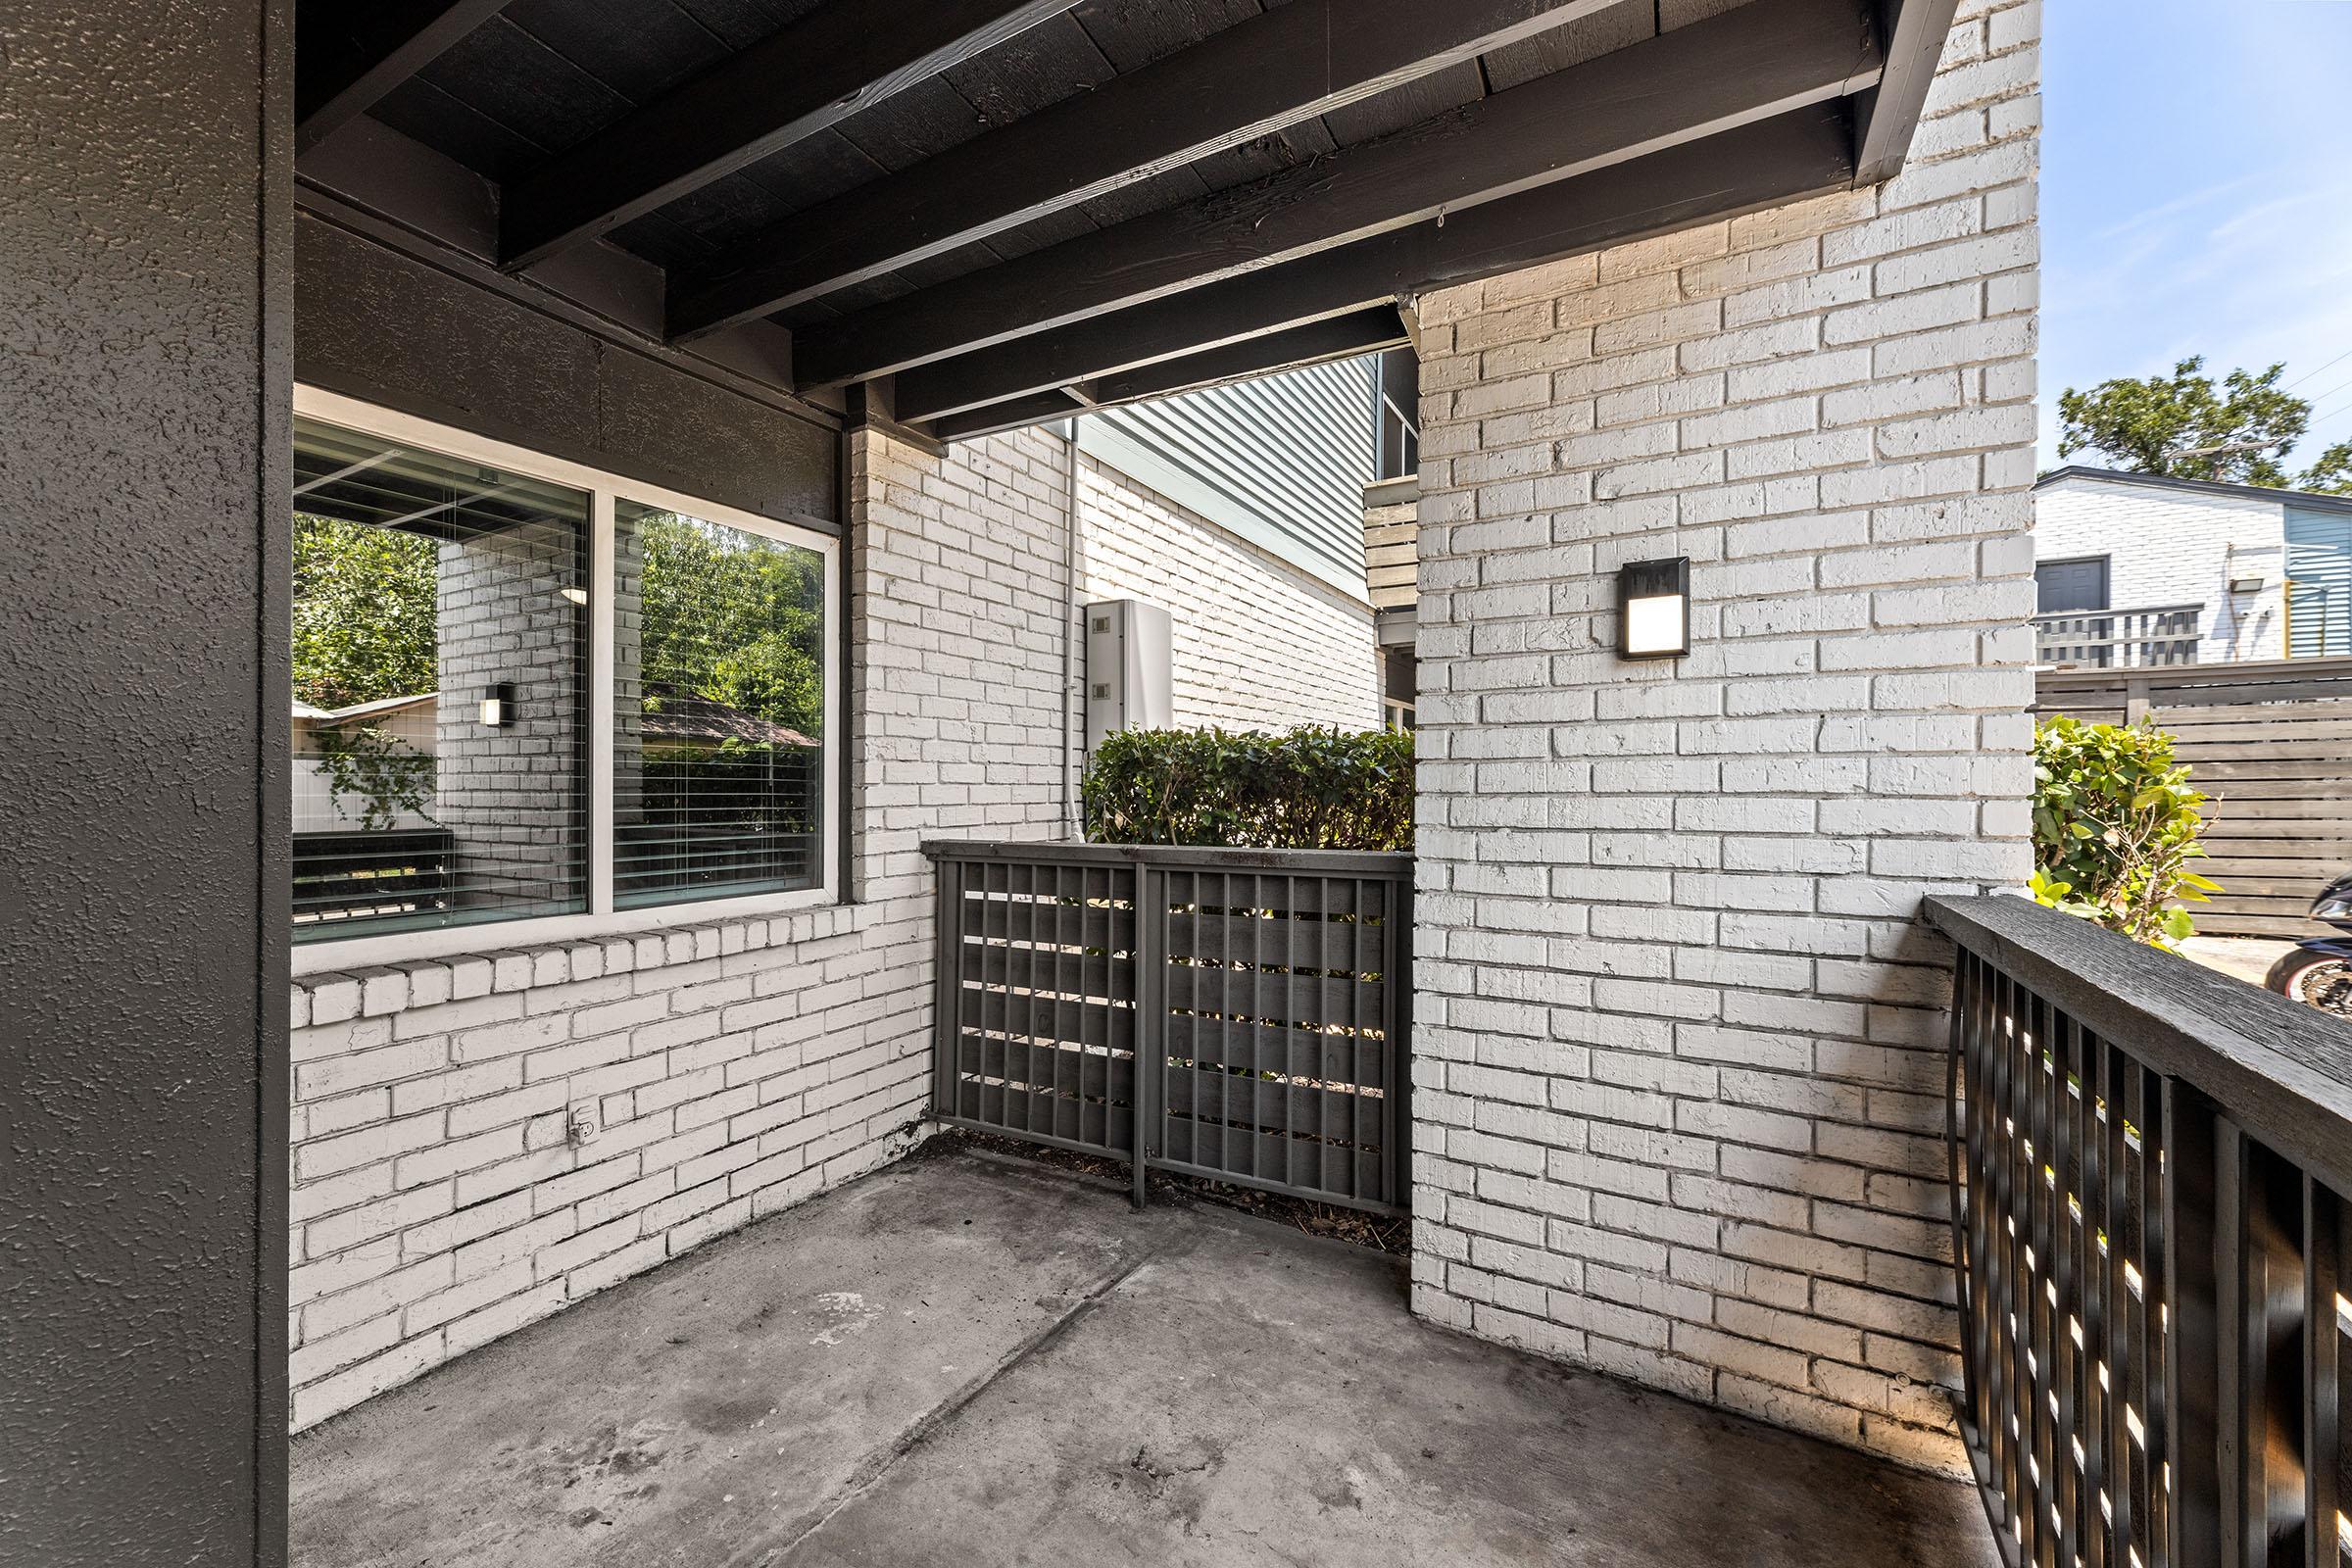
column 440, row 693
column 718, row 709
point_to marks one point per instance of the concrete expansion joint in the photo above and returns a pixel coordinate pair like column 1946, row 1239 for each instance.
column 878, row 1466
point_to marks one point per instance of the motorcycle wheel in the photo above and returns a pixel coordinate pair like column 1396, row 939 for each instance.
column 2320, row 980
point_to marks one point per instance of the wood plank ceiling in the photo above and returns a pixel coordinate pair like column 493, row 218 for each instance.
column 963, row 215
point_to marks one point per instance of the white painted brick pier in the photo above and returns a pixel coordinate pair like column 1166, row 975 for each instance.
column 1680, row 1088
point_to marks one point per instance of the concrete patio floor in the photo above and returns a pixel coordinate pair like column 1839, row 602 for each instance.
column 963, row 1359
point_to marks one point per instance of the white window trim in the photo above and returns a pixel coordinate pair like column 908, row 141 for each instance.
column 329, row 954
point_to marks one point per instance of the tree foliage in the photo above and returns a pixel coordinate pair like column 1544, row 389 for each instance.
column 2187, row 427
column 724, row 618
column 363, row 613
column 1310, row 789
column 2114, row 827
column 2333, row 474
column 734, row 620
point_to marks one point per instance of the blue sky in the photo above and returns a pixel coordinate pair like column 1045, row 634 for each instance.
column 2198, row 196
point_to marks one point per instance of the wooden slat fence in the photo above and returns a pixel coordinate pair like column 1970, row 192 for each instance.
column 2271, row 743
column 1266, row 995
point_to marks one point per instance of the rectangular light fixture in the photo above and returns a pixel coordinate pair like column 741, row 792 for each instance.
column 1653, row 608
column 498, row 709
column 2245, row 585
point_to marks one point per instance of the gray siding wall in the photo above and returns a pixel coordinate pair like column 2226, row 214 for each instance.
column 1280, row 461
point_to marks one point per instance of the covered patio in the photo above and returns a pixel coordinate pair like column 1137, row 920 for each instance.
column 966, row 1357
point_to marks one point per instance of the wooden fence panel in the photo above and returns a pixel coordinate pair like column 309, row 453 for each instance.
column 2271, row 744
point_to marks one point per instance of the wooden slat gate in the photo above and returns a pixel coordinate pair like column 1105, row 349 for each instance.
column 2271, row 744
column 1265, row 993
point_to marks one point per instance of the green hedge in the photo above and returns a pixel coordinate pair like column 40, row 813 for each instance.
column 1311, row 788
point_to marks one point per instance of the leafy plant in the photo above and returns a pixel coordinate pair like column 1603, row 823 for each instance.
column 2114, row 827
column 1310, row 789
column 373, row 766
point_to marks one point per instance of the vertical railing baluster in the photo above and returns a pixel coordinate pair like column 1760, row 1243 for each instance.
column 946, row 992
column 1960, row 1103
column 2274, row 1267
column 2324, row 1228
column 1397, row 1034
column 2015, row 1434
column 1151, row 1016
column 2066, row 1141
column 2154, row 1316
column 2127, row 1525
column 2094, row 1274
column 2198, row 1199
column 2038, row 1317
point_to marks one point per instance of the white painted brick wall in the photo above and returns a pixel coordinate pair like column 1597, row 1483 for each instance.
column 739, row 1067
column 1679, row 1068
column 2175, row 547
column 1258, row 644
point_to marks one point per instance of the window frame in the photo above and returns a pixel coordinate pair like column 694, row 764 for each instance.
column 363, row 949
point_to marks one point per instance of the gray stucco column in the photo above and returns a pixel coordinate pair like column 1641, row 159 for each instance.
column 144, row 394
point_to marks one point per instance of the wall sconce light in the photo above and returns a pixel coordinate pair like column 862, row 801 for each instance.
column 2245, row 585
column 1653, row 608
column 577, row 596
column 498, row 709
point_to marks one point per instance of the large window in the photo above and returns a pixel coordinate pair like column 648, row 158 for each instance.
column 527, row 691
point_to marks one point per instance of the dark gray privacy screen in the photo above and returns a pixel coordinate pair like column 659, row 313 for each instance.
column 1248, row 1010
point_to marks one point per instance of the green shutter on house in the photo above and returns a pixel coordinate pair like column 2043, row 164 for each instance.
column 2319, row 565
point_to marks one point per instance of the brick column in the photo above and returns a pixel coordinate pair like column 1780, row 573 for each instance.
column 1680, row 1104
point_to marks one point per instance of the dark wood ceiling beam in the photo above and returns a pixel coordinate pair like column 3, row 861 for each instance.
column 1272, row 71
column 348, row 56
column 1888, row 116
column 1762, row 60
column 1339, row 338
column 1038, row 407
column 803, row 79
column 1796, row 155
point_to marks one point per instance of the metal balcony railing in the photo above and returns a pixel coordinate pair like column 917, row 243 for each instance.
column 2118, row 639
column 2151, row 1165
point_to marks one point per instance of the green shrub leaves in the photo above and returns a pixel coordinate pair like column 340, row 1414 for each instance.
column 2115, row 825
column 1311, row 788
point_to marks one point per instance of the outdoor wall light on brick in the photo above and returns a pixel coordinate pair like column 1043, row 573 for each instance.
column 498, row 709
column 1653, row 608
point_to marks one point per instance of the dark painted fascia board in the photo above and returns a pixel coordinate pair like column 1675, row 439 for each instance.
column 2304, row 500
column 400, row 194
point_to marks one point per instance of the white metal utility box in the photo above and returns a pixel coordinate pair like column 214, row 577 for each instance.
column 1129, row 664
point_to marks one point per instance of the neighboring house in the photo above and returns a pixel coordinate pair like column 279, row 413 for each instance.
column 2135, row 569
